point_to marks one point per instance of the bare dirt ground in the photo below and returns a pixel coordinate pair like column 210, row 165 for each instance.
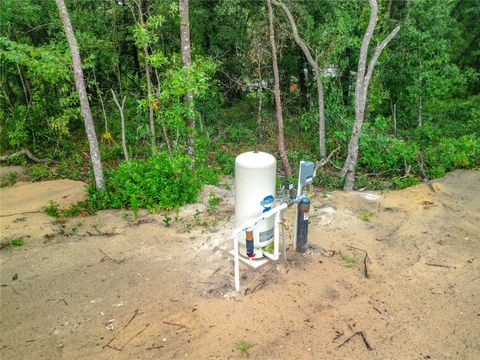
column 112, row 287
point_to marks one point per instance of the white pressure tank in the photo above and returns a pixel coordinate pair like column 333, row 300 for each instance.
column 255, row 177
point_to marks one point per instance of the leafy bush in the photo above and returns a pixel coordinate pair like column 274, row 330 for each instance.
column 451, row 154
column 161, row 182
column 51, row 209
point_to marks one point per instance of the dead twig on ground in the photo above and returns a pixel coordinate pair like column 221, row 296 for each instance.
column 364, row 338
column 438, row 265
column 215, row 272
column 129, row 340
column 175, row 324
column 15, row 291
column 107, row 233
column 155, row 347
column 63, row 300
column 364, row 260
column 338, row 335
column 22, row 213
column 111, row 258
column 131, row 319
column 255, row 288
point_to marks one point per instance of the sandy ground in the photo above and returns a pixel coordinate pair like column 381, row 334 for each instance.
column 151, row 291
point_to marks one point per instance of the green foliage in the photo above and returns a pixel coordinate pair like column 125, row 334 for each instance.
column 9, row 179
column 349, row 261
column 430, row 69
column 167, row 220
column 51, row 209
column 367, row 216
column 17, row 242
column 244, row 348
column 213, row 201
column 73, row 210
column 450, row 154
column 161, row 182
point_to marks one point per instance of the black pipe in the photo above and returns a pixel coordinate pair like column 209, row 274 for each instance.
column 249, row 243
column 302, row 225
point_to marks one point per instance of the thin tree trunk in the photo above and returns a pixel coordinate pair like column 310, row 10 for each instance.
column 149, row 85
column 122, row 123
column 318, row 78
column 364, row 75
column 82, row 94
column 278, row 101
column 186, row 60
column 101, row 101
column 420, row 114
column 395, row 120
column 25, row 93
column 164, row 127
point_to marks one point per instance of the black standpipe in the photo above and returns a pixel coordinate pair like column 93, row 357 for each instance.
column 302, row 225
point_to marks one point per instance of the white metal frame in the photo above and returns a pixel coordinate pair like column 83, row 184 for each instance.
column 276, row 211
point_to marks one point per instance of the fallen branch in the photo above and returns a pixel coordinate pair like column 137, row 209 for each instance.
column 364, row 260
column 438, row 265
column 131, row 319
column 155, row 347
column 26, row 153
column 111, row 258
column 175, row 324
column 107, row 233
column 26, row 212
column 123, row 346
column 364, row 338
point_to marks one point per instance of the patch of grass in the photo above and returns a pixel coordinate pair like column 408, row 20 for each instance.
column 349, row 261
column 244, row 347
column 73, row 210
column 9, row 179
column 52, row 209
column 367, row 216
column 77, row 225
column 167, row 220
column 213, row 201
column 17, row 242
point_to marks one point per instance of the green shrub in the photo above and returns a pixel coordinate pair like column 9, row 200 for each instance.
column 451, row 154
column 9, row 179
column 161, row 182
column 17, row 242
column 51, row 209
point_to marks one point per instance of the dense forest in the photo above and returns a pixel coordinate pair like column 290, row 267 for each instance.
column 380, row 95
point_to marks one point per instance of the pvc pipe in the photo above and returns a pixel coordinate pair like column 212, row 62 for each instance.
column 248, row 224
column 255, row 221
column 236, row 263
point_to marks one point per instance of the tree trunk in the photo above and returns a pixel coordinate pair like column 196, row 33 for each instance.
column 122, row 122
column 164, row 127
column 82, row 94
column 318, row 78
column 278, row 101
column 186, row 60
column 395, row 120
column 149, row 86
column 361, row 89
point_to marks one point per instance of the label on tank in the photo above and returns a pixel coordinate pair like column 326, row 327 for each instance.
column 266, row 235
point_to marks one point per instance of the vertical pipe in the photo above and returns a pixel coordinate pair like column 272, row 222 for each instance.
column 302, row 225
column 236, row 264
column 249, row 243
column 276, row 237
